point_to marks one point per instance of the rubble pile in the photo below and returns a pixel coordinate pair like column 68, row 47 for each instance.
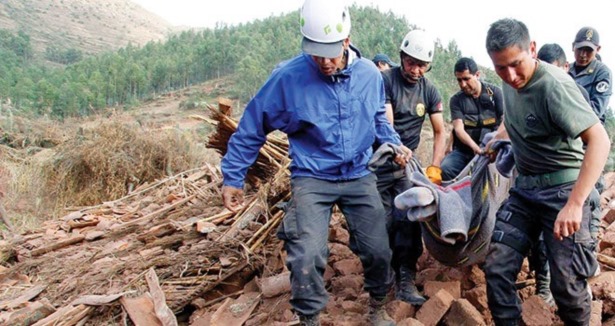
column 168, row 253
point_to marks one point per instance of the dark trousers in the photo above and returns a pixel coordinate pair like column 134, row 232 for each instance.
column 538, row 255
column 521, row 219
column 405, row 237
column 305, row 230
column 454, row 162
column 594, row 202
column 539, row 263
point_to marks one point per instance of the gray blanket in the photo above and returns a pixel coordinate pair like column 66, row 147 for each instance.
column 458, row 217
column 451, row 204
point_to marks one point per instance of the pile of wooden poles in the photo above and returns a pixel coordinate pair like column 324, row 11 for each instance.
column 91, row 265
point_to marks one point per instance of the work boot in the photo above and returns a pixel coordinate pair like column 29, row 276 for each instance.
column 406, row 289
column 309, row 320
column 542, row 288
column 378, row 315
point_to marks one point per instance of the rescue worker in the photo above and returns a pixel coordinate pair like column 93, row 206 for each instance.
column 383, row 62
column 409, row 97
column 330, row 133
column 475, row 111
column 554, row 54
column 590, row 72
column 547, row 121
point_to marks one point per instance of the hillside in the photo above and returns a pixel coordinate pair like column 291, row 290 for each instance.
column 90, row 26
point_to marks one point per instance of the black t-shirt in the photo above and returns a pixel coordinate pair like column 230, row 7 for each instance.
column 410, row 104
column 479, row 115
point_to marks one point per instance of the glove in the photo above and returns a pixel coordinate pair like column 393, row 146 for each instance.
column 434, row 174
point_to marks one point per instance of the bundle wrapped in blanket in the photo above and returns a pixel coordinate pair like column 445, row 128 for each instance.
column 458, row 216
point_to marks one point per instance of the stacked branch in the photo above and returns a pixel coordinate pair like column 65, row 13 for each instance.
column 175, row 226
column 272, row 157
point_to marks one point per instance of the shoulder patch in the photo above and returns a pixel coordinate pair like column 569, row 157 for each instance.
column 602, row 86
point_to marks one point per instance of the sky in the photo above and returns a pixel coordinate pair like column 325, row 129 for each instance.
column 466, row 22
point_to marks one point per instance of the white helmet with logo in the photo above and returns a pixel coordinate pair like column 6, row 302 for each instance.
column 325, row 24
column 419, row 45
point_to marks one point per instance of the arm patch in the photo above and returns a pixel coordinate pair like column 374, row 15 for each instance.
column 602, row 86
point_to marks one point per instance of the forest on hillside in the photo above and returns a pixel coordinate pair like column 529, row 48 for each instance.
column 63, row 83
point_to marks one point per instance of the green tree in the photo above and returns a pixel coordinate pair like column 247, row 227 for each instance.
column 247, row 53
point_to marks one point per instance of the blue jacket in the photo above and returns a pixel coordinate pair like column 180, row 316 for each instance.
column 331, row 121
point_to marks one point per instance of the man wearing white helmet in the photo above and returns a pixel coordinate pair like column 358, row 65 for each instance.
column 330, row 102
column 409, row 96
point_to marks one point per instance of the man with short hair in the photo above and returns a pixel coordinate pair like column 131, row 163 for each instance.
column 330, row 102
column 476, row 110
column 554, row 54
column 547, row 121
column 383, row 62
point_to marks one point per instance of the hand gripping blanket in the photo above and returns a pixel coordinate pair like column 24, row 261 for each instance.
column 457, row 217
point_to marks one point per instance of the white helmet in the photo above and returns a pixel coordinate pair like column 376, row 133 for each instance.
column 325, row 24
column 418, row 45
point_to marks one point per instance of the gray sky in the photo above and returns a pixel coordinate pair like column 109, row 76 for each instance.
column 466, row 22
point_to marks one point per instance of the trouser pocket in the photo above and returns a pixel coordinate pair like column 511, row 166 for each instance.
column 584, row 261
column 288, row 229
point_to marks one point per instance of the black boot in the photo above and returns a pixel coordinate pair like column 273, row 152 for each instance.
column 543, row 281
column 311, row 320
column 406, row 289
column 378, row 315
column 543, row 291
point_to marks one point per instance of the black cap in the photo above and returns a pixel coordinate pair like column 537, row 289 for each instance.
column 587, row 36
column 381, row 57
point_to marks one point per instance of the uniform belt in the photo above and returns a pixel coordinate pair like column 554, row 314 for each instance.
column 546, row 179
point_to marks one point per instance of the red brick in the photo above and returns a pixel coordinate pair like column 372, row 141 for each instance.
column 350, row 266
column 347, row 287
column 339, row 235
column 338, row 251
column 536, row 312
column 603, row 285
column 429, row 274
column 433, row 309
column 346, row 319
column 349, row 281
column 329, row 273
column 410, row 322
column 608, row 215
column 430, row 288
column 611, row 226
column 477, row 276
column 608, row 239
column 462, row 312
column 400, row 310
column 478, row 297
column 334, row 308
column 352, row 306
column 596, row 316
